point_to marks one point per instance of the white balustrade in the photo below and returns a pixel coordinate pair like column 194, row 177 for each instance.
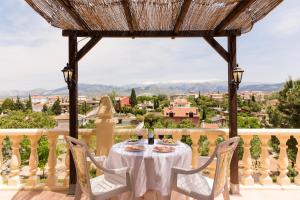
column 33, row 160
column 247, row 175
column 247, row 178
column 14, row 176
column 283, row 162
column 52, row 140
column 265, row 178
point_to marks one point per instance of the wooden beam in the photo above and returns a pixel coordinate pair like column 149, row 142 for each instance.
column 236, row 11
column 183, row 11
column 216, row 46
column 149, row 34
column 130, row 19
column 74, row 14
column 232, row 99
column 87, row 47
column 73, row 108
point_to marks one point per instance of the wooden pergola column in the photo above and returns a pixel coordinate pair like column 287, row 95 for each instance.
column 73, row 109
column 230, row 57
column 75, row 56
column 232, row 99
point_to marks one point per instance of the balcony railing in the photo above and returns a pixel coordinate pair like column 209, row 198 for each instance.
column 253, row 169
column 250, row 171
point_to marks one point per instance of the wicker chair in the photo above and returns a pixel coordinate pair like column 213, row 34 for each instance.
column 115, row 181
column 195, row 185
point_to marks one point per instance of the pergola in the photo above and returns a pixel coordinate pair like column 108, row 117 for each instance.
column 154, row 18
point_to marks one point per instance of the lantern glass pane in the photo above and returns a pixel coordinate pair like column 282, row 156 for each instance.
column 70, row 75
column 66, row 75
column 235, row 76
column 239, row 76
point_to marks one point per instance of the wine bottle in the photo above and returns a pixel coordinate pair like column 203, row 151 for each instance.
column 150, row 137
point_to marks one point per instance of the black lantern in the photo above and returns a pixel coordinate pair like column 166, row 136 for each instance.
column 237, row 75
column 68, row 75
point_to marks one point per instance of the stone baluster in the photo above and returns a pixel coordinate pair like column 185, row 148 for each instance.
column 247, row 178
column 33, row 160
column 1, row 157
column 176, row 135
column 52, row 140
column 212, row 146
column 297, row 166
column 264, row 178
column 195, row 148
column 67, row 165
column 283, row 162
column 14, row 176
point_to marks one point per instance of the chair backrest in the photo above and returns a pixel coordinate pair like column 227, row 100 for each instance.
column 79, row 151
column 224, row 152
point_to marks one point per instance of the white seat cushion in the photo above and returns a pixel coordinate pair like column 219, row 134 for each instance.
column 195, row 184
column 108, row 185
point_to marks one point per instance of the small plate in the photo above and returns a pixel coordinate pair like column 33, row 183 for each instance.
column 134, row 148
column 168, row 144
column 163, row 149
column 132, row 141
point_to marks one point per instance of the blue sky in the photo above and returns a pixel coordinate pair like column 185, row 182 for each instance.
column 32, row 53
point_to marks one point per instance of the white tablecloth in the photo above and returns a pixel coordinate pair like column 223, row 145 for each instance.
column 150, row 170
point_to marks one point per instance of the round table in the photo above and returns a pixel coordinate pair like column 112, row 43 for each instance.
column 150, row 171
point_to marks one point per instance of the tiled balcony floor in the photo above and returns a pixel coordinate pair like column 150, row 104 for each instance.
column 246, row 194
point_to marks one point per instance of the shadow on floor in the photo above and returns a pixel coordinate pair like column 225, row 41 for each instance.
column 41, row 195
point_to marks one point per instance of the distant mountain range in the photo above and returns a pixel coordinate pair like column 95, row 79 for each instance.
column 151, row 88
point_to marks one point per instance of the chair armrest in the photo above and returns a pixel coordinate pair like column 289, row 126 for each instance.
column 104, row 169
column 177, row 170
column 99, row 159
column 116, row 171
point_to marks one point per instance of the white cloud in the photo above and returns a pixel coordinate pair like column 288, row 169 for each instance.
column 33, row 53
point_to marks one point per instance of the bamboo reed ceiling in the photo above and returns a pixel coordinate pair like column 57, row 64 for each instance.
column 153, row 15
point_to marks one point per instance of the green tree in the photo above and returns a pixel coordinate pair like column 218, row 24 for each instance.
column 133, row 100
column 186, row 123
column 248, row 122
column 289, row 104
column 253, row 98
column 25, row 151
column 29, row 104
column 45, row 108
column 20, row 119
column 151, row 119
column 204, row 114
column 8, row 105
column 112, row 97
column 56, row 108
column 19, row 105
column 43, row 152
column 84, row 108
column 156, row 103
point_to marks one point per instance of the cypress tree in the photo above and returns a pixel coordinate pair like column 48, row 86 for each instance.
column 133, row 100
column 29, row 103
column 45, row 108
column 56, row 108
column 204, row 114
column 19, row 105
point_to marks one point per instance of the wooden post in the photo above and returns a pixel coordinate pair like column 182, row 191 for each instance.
column 73, row 110
column 232, row 94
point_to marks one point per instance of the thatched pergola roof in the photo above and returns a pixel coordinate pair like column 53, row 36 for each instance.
column 167, row 17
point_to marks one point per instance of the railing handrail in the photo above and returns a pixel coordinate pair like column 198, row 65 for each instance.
column 187, row 131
